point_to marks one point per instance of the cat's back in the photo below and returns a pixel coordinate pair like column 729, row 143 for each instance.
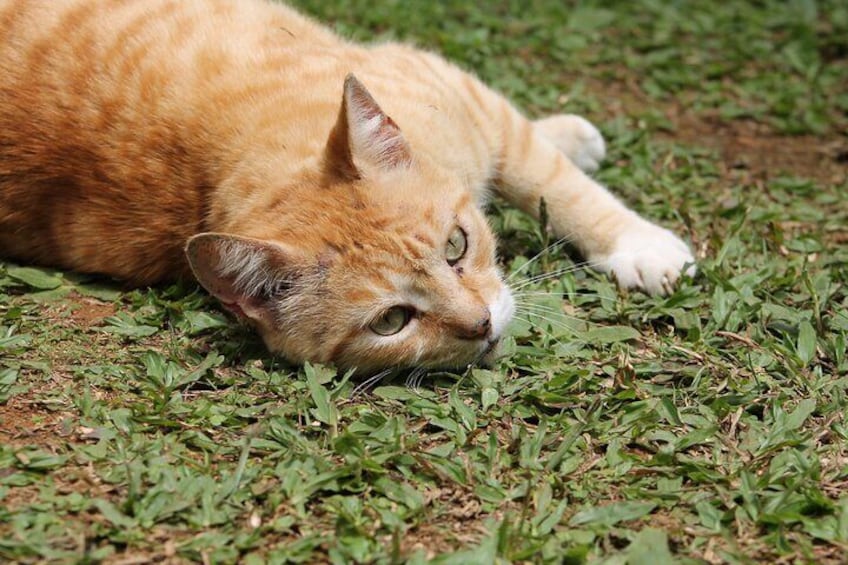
column 95, row 72
column 108, row 128
column 37, row 35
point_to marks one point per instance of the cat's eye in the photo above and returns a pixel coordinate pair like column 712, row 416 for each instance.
column 456, row 246
column 392, row 321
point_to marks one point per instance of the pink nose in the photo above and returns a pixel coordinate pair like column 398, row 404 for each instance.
column 477, row 330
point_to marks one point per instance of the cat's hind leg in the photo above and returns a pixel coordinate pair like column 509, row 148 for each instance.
column 575, row 136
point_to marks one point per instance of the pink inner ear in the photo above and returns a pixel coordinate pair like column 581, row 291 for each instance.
column 248, row 308
column 206, row 254
column 383, row 144
column 396, row 151
column 365, row 105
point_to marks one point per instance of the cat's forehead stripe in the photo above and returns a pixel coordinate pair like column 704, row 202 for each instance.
column 414, row 249
column 427, row 214
column 360, row 294
column 424, row 239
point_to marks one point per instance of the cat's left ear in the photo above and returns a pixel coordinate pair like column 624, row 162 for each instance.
column 364, row 134
column 246, row 275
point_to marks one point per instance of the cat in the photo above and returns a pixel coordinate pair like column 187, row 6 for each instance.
column 330, row 193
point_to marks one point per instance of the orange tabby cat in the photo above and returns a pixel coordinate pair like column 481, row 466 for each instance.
column 153, row 139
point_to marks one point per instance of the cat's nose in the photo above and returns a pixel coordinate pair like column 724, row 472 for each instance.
column 479, row 329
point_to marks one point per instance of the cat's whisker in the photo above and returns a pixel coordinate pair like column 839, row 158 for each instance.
column 539, row 308
column 529, row 307
column 581, row 265
column 558, row 243
column 414, row 379
column 556, row 272
column 551, row 315
column 370, row 383
column 541, row 314
column 527, row 314
column 519, row 296
column 547, row 316
column 554, row 323
column 545, row 276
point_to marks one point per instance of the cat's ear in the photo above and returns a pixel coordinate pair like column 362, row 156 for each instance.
column 363, row 133
column 246, row 275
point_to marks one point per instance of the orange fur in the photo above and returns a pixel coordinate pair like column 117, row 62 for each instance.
column 127, row 128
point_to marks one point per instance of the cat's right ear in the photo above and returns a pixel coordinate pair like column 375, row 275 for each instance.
column 246, row 275
column 363, row 134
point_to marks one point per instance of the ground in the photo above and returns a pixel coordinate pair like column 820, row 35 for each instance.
column 707, row 426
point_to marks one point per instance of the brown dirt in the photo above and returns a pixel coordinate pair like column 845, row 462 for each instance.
column 462, row 522
column 741, row 144
column 91, row 312
column 78, row 311
column 27, row 419
column 23, row 421
column 33, row 418
column 751, row 146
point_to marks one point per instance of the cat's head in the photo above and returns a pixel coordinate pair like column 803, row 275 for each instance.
column 374, row 258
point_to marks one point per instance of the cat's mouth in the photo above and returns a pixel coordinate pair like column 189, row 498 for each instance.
column 489, row 354
column 481, row 353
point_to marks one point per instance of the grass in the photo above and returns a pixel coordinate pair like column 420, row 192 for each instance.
column 707, row 426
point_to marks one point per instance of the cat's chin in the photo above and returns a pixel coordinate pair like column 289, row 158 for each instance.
column 489, row 352
column 492, row 354
column 483, row 355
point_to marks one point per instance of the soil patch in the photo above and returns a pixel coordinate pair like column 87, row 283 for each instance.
column 76, row 310
column 24, row 421
column 749, row 145
column 87, row 312
column 741, row 143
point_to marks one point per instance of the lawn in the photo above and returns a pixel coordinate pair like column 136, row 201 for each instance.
column 706, row 426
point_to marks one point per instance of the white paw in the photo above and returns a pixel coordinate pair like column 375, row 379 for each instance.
column 577, row 138
column 648, row 257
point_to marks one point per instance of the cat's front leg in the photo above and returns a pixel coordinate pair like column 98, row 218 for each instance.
column 647, row 256
column 538, row 164
column 644, row 255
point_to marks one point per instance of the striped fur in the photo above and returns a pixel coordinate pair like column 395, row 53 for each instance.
column 127, row 127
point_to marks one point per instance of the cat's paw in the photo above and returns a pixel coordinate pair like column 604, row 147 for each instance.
column 647, row 257
column 576, row 137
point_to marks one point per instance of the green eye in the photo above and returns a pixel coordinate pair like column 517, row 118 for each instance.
column 392, row 321
column 456, row 246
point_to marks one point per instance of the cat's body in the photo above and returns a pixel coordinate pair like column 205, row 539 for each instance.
column 127, row 127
